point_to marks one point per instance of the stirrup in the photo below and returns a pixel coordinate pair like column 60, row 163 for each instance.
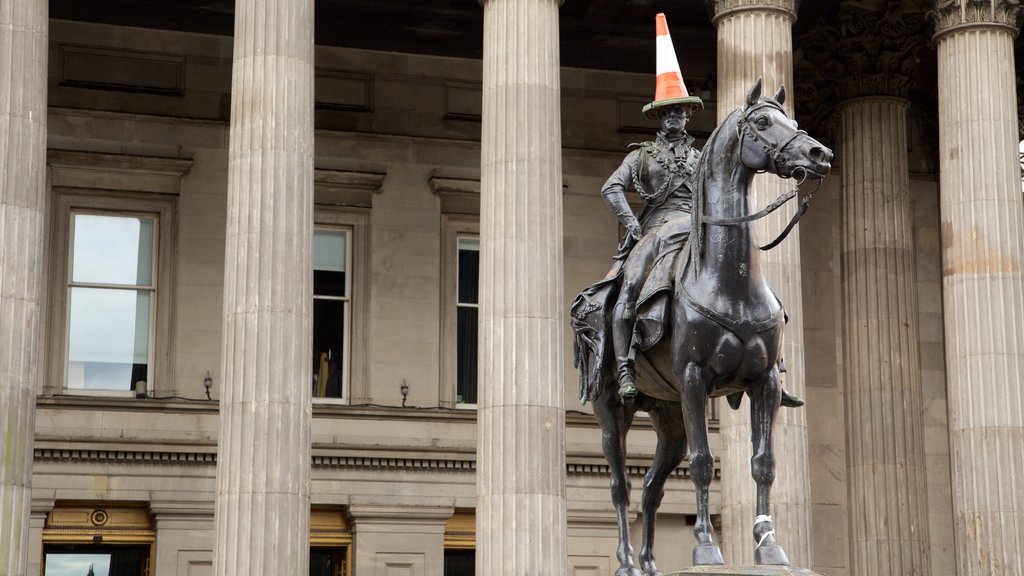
column 627, row 391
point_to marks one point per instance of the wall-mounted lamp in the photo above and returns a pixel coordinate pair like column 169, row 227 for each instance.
column 208, row 383
column 405, row 391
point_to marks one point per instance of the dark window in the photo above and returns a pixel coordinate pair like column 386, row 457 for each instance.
column 459, row 562
column 467, row 317
column 95, row 560
column 327, row 561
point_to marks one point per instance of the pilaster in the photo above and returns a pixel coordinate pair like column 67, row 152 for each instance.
column 23, row 51
column 262, row 508
column 521, row 518
column 983, row 282
column 755, row 39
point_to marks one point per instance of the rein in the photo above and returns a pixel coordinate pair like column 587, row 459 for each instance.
column 778, row 157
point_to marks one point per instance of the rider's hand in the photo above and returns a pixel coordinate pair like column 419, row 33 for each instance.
column 633, row 230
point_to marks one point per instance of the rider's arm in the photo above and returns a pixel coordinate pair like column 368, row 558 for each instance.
column 614, row 193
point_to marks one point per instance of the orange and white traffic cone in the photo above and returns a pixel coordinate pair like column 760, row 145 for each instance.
column 669, row 87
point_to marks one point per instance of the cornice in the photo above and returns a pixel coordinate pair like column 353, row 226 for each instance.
column 322, row 461
column 952, row 15
column 718, row 9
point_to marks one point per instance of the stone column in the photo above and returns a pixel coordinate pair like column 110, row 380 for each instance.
column 23, row 51
column 755, row 39
column 872, row 56
column 982, row 280
column 521, row 525
column 884, row 406
column 263, row 459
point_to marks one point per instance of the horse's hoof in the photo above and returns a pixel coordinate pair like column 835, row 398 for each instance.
column 770, row 555
column 628, row 571
column 707, row 555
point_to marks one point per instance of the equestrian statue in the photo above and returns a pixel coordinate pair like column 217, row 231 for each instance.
column 686, row 314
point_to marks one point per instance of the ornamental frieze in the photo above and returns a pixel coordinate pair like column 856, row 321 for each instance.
column 951, row 14
column 859, row 53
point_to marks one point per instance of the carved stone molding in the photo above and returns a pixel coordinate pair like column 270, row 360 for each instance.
column 950, row 15
column 860, row 53
column 718, row 9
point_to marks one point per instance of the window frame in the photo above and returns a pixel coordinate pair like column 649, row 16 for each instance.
column 70, row 201
column 453, row 226
column 355, row 221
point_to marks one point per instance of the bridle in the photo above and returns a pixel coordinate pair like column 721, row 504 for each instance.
column 778, row 159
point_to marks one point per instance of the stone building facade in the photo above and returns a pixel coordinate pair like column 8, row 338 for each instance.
column 284, row 287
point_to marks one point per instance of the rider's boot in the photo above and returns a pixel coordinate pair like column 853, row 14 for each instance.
column 791, row 400
column 622, row 341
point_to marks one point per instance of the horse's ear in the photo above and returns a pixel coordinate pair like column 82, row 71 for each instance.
column 754, row 93
column 780, row 96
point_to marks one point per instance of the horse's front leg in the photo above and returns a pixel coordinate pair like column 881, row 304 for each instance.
column 702, row 463
column 764, row 406
column 615, row 420
column 668, row 425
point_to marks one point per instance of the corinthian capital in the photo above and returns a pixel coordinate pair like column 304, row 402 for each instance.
column 950, row 15
column 718, row 9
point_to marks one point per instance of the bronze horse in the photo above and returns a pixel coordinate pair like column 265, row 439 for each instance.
column 713, row 328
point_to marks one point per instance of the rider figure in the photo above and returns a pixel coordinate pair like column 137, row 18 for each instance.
column 662, row 172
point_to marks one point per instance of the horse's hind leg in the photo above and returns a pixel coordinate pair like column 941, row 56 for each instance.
column 702, row 465
column 764, row 406
column 615, row 419
column 667, row 420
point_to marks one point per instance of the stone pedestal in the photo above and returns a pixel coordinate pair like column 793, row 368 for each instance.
column 23, row 51
column 755, row 39
column 983, row 280
column 745, row 571
column 263, row 459
column 521, row 525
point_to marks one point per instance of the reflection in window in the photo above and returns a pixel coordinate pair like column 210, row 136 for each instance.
column 332, row 311
column 111, row 292
column 467, row 309
column 80, row 560
column 324, row 561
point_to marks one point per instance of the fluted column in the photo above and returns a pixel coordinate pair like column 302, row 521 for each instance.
column 23, row 51
column 983, row 283
column 521, row 525
column 262, row 512
column 884, row 406
column 755, row 39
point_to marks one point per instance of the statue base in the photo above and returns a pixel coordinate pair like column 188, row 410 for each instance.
column 744, row 571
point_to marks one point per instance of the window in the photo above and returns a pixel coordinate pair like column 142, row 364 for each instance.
column 340, row 307
column 332, row 311
column 330, row 543
column 109, row 539
column 111, row 297
column 460, row 271
column 460, row 544
column 111, row 271
column 467, row 313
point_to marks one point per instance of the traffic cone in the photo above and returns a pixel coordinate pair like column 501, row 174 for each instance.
column 669, row 88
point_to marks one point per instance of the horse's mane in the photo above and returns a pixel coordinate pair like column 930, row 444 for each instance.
column 699, row 195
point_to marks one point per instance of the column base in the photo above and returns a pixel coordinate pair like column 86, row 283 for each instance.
column 744, row 571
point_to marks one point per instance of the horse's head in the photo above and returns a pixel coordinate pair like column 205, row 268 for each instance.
column 770, row 140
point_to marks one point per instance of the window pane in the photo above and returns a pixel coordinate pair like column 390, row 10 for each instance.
column 466, row 369
column 459, row 562
column 108, row 345
column 113, row 250
column 328, row 348
column 329, row 262
column 95, row 560
column 469, row 270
